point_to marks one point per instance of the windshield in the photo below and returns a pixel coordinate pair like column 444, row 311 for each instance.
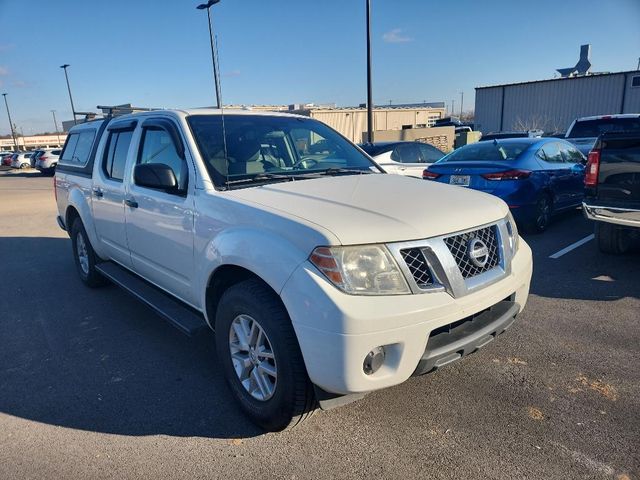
column 594, row 128
column 270, row 148
column 487, row 151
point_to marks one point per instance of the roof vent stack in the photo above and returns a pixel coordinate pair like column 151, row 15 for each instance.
column 582, row 67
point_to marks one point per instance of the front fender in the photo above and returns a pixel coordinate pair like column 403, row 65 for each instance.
column 269, row 256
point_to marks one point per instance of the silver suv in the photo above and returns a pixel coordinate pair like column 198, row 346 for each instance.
column 46, row 160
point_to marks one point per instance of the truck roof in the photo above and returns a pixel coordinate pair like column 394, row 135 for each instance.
column 602, row 117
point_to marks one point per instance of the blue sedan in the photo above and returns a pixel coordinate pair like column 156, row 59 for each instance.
column 536, row 177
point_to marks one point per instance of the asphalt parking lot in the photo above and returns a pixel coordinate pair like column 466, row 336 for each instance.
column 93, row 384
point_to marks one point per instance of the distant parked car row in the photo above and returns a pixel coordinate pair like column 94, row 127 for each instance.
column 44, row 160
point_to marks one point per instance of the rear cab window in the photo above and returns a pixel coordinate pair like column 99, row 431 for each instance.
column 594, row 128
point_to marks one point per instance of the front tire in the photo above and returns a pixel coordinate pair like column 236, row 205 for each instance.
column 261, row 358
column 612, row 238
column 85, row 257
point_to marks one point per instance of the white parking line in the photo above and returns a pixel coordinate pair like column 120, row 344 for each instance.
column 573, row 246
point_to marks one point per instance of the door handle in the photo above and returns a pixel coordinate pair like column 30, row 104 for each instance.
column 97, row 192
column 130, row 202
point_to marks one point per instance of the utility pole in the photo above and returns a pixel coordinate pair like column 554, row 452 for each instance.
column 461, row 103
column 369, row 92
column 73, row 109
column 55, row 122
column 13, row 136
column 216, row 80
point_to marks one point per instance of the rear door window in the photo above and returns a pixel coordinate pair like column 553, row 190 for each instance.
column 571, row 154
column 406, row 153
column 115, row 158
column 552, row 153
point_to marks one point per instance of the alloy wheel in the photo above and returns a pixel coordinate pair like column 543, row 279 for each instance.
column 83, row 255
column 253, row 357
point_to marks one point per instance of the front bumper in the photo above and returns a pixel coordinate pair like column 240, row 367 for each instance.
column 629, row 217
column 336, row 331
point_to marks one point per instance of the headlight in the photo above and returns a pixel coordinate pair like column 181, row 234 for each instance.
column 361, row 270
column 514, row 238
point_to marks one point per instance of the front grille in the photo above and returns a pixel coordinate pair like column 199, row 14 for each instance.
column 459, row 247
column 414, row 258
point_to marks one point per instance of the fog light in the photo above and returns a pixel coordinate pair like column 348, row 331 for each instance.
column 373, row 361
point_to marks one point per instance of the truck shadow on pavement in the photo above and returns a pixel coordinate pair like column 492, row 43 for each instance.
column 98, row 360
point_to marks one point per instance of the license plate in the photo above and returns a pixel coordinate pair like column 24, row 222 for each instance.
column 461, row 180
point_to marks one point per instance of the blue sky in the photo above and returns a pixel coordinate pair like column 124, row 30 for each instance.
column 156, row 53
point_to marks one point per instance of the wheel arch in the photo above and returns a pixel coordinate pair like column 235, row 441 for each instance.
column 221, row 279
column 78, row 207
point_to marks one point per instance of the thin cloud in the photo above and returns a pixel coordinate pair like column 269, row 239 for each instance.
column 396, row 36
column 5, row 47
column 20, row 84
column 4, row 71
column 232, row 73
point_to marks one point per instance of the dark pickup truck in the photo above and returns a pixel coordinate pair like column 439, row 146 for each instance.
column 612, row 195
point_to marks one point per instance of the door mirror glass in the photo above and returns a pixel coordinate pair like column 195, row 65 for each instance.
column 156, row 175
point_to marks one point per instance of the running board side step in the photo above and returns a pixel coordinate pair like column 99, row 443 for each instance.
column 175, row 312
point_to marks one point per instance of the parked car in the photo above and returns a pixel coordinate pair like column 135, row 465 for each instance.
column 21, row 160
column 47, row 160
column 34, row 155
column 537, row 177
column 505, row 135
column 322, row 277
column 584, row 131
column 404, row 158
column 612, row 197
column 6, row 159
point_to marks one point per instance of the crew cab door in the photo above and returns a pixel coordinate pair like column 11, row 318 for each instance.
column 160, row 225
column 109, row 190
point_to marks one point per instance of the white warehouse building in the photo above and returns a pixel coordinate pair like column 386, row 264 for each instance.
column 551, row 105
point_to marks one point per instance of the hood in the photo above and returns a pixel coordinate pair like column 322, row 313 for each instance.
column 378, row 208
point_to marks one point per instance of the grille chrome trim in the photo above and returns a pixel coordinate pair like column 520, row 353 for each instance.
column 459, row 245
column 445, row 271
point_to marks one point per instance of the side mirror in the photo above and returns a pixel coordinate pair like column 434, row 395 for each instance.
column 156, row 175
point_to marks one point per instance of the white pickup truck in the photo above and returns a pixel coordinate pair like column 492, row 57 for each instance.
column 323, row 277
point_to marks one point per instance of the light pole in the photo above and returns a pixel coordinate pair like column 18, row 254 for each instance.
column 461, row 103
column 369, row 92
column 207, row 6
column 73, row 109
column 55, row 123
column 15, row 142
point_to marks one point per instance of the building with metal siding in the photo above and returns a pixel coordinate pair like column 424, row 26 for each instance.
column 551, row 105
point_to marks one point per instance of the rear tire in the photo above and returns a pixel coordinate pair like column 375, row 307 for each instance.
column 542, row 215
column 85, row 257
column 612, row 238
column 288, row 397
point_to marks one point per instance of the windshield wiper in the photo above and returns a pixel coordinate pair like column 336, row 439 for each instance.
column 337, row 170
column 260, row 177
